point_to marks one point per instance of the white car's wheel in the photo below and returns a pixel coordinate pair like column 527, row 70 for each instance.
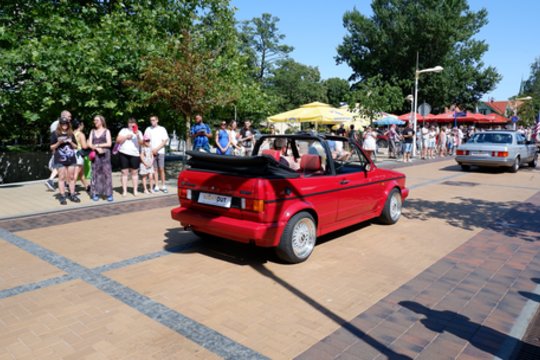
column 534, row 161
column 515, row 165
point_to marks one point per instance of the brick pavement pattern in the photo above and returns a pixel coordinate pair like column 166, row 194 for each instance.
column 122, row 280
column 463, row 307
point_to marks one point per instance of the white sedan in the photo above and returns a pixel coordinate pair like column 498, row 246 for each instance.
column 498, row 148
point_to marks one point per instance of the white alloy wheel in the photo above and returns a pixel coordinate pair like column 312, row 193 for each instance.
column 395, row 206
column 303, row 238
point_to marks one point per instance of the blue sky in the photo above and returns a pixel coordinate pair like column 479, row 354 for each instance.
column 315, row 29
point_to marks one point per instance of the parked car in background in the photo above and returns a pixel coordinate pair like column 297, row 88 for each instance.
column 382, row 139
column 286, row 198
column 498, row 148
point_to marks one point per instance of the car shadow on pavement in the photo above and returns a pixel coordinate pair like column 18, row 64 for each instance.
column 530, row 296
column 480, row 336
column 511, row 218
column 484, row 170
column 235, row 252
column 354, row 330
column 217, row 248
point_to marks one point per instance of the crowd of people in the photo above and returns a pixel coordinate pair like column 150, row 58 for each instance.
column 228, row 140
column 88, row 160
column 432, row 140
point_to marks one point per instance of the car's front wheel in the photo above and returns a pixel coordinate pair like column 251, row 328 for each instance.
column 515, row 165
column 392, row 208
column 298, row 239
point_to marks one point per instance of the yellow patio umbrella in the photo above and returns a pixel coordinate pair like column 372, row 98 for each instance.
column 316, row 112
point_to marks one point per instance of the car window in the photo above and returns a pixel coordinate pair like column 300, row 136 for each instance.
column 496, row 138
column 520, row 139
column 478, row 138
column 348, row 158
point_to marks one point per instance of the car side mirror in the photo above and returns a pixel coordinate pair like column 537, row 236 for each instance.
column 367, row 168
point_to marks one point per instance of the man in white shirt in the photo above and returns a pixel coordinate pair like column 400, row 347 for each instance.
column 158, row 139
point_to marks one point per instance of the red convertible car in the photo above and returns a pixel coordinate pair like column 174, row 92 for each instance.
column 293, row 189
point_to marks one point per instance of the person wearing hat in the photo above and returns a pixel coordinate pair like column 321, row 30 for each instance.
column 64, row 146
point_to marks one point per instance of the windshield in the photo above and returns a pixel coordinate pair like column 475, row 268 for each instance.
column 491, row 138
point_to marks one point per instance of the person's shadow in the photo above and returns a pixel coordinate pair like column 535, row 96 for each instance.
column 482, row 337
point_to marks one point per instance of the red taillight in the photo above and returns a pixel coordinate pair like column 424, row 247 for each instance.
column 252, row 205
column 462, row 152
column 499, row 154
column 184, row 193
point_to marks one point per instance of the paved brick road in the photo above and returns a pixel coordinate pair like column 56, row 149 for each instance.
column 457, row 277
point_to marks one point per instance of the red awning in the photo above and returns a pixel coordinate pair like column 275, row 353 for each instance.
column 494, row 119
column 468, row 118
column 408, row 117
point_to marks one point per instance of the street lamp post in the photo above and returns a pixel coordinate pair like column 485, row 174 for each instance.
column 415, row 98
column 515, row 109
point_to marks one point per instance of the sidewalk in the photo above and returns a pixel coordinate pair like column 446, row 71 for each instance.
column 33, row 197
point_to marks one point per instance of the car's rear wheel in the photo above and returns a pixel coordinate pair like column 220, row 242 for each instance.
column 534, row 161
column 392, row 208
column 465, row 167
column 515, row 165
column 298, row 239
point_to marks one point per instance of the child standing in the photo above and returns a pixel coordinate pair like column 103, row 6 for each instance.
column 147, row 164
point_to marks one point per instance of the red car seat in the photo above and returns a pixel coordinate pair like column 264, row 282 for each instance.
column 311, row 164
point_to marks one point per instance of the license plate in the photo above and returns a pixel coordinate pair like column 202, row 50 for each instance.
column 479, row 153
column 216, row 200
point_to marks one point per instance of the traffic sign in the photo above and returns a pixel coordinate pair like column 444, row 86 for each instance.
column 424, row 109
column 514, row 119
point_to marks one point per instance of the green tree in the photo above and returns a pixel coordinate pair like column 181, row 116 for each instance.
column 296, row 84
column 191, row 77
column 337, row 90
column 440, row 31
column 79, row 55
column 261, row 42
column 374, row 96
column 530, row 109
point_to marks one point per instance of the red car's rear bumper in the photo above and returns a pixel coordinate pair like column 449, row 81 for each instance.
column 260, row 234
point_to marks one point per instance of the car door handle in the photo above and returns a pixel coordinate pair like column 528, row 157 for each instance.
column 344, row 182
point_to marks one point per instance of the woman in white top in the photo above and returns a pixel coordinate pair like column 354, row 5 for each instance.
column 130, row 140
column 233, row 134
column 370, row 142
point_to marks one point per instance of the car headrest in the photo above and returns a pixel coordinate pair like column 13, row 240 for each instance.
column 310, row 162
column 272, row 153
